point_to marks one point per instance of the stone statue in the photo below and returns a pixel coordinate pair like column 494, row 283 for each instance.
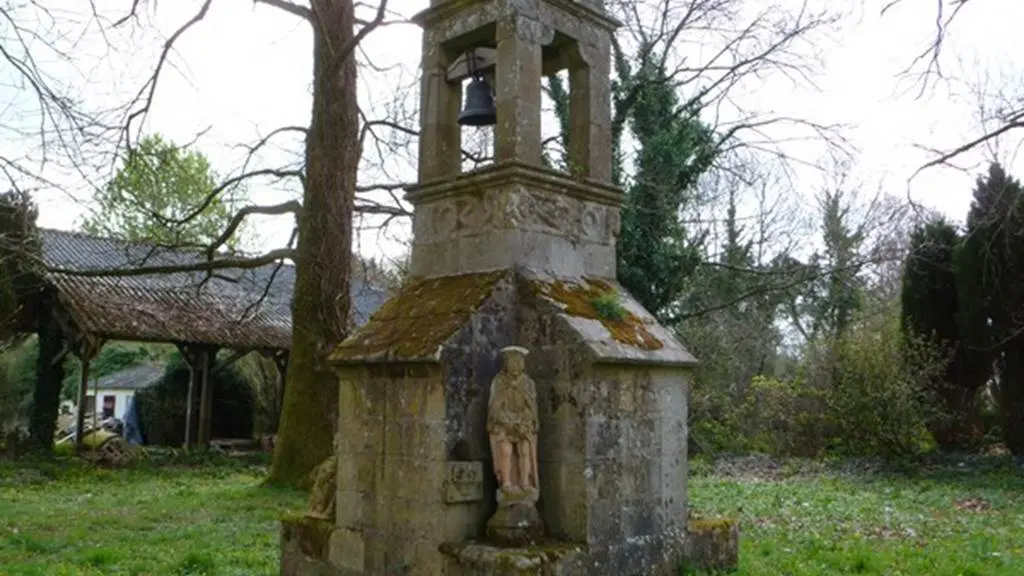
column 512, row 424
column 512, row 427
column 322, row 494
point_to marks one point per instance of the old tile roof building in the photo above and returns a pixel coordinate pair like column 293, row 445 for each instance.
column 239, row 309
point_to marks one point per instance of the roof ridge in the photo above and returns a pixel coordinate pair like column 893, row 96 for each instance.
column 196, row 251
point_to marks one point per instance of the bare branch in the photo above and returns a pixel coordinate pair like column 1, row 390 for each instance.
column 294, row 9
column 292, row 207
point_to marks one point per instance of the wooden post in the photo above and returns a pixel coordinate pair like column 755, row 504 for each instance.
column 281, row 361
column 204, row 357
column 86, row 349
column 83, row 392
column 186, row 353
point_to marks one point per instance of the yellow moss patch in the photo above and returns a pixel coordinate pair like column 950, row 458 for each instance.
column 420, row 318
column 709, row 525
column 578, row 300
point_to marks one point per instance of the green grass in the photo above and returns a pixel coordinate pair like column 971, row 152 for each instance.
column 943, row 520
column 213, row 518
column 200, row 518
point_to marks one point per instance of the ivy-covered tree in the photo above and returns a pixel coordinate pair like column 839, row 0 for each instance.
column 155, row 194
column 932, row 315
column 19, row 269
column 656, row 253
column 992, row 270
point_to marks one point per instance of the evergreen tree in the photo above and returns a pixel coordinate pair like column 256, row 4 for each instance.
column 992, row 270
column 932, row 315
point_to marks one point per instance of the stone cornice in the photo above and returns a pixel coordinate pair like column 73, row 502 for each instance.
column 445, row 10
column 518, row 173
column 587, row 13
column 440, row 12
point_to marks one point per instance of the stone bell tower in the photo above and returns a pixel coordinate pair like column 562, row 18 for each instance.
column 518, row 256
column 516, row 212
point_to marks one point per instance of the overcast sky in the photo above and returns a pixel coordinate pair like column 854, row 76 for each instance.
column 245, row 70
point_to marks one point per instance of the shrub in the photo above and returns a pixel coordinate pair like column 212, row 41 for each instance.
column 880, row 403
column 162, row 407
column 261, row 374
column 783, row 418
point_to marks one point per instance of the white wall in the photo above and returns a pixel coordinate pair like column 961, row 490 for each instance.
column 122, row 397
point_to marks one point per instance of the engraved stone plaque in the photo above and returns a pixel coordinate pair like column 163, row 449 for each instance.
column 465, row 482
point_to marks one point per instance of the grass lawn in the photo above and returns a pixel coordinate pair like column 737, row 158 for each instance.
column 63, row 518
column 950, row 519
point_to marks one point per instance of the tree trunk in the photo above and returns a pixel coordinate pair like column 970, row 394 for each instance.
column 49, row 380
column 320, row 304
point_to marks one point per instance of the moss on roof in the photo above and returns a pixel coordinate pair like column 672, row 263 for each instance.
column 587, row 299
column 416, row 322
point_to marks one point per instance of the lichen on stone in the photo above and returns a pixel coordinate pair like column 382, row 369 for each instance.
column 416, row 322
column 313, row 534
column 585, row 300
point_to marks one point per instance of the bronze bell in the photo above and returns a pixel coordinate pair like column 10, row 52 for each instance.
column 479, row 109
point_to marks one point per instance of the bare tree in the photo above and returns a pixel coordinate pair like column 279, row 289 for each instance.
column 716, row 54
column 1000, row 112
column 325, row 171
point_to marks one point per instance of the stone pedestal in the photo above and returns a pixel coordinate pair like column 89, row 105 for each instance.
column 476, row 559
column 517, row 521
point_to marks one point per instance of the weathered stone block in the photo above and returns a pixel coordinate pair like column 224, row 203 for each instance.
column 464, row 483
column 712, row 545
column 347, row 550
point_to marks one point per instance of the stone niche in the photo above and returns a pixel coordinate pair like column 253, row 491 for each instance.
column 415, row 486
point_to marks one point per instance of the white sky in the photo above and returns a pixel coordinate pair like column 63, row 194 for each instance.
column 246, row 70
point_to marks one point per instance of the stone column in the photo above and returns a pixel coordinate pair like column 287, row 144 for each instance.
column 440, row 103
column 590, row 112
column 518, row 93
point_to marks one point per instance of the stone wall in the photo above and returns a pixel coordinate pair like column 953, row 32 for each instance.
column 414, row 465
column 391, row 469
column 612, row 449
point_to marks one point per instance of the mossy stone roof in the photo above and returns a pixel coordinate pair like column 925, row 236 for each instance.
column 416, row 323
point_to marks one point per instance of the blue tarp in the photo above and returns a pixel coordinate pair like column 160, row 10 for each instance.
column 132, row 428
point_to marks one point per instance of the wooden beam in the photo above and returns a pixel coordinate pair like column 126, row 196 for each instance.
column 478, row 60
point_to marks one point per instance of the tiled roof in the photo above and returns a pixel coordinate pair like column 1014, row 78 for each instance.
column 237, row 308
column 132, row 378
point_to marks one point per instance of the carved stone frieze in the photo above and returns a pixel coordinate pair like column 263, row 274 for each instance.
column 592, row 224
column 511, row 209
column 445, row 220
column 614, row 223
column 474, row 213
column 552, row 213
